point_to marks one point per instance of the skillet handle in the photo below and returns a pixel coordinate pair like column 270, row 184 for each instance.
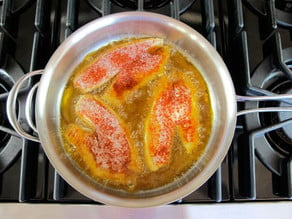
column 287, row 98
column 11, row 106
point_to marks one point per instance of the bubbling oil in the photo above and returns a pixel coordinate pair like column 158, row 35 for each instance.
column 134, row 109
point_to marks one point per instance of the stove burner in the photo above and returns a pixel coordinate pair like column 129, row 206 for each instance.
column 285, row 116
column 10, row 142
column 282, row 9
column 285, row 5
column 273, row 145
column 3, row 119
column 280, row 139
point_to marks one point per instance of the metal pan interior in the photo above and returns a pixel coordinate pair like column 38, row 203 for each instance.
column 114, row 27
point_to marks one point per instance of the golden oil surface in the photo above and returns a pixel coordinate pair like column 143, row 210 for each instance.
column 134, row 109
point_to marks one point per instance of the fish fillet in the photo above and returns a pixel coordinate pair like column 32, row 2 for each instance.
column 129, row 63
column 174, row 109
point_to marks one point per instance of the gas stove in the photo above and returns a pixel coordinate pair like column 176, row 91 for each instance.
column 253, row 38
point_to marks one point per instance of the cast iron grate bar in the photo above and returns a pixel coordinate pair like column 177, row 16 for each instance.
column 9, row 17
column 33, row 170
column 274, row 43
column 7, row 20
column 239, row 60
column 240, row 70
column 208, row 19
column 140, row 5
column 102, row 7
column 239, row 21
column 279, row 166
column 289, row 176
column 215, row 186
column 72, row 17
column 268, row 22
column 273, row 39
column 6, row 34
column 59, row 185
column 175, row 9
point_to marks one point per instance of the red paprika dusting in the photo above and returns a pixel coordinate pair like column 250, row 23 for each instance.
column 129, row 62
column 112, row 151
column 172, row 108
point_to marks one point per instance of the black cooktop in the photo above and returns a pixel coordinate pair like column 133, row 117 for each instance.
column 252, row 36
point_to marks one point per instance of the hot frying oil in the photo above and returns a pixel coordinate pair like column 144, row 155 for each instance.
column 134, row 110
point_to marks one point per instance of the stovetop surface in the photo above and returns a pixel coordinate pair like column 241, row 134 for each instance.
column 253, row 38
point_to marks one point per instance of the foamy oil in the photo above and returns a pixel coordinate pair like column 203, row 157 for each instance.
column 134, row 109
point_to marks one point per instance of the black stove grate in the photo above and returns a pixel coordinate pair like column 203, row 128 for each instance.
column 260, row 62
column 213, row 190
column 146, row 4
column 31, row 30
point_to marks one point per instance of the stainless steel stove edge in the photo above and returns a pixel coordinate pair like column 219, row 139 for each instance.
column 220, row 210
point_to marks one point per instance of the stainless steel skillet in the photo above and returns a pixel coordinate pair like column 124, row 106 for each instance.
column 97, row 34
